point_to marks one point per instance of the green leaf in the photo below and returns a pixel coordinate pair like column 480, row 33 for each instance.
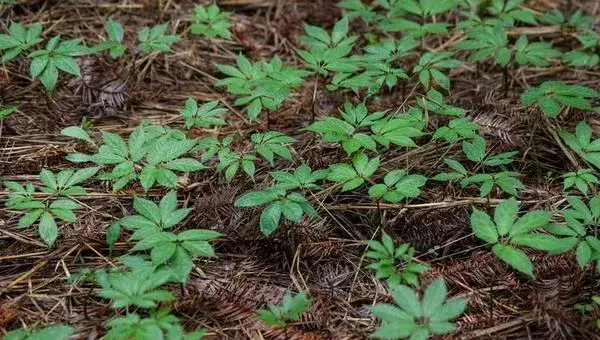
column 483, row 227
column 505, row 215
column 515, row 258
column 407, row 299
column 434, row 297
column 269, row 219
column 530, row 221
column 48, row 229
column 76, row 132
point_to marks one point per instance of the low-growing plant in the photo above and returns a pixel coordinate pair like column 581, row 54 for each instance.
column 507, row 233
column 211, row 22
column 475, row 150
column 509, row 11
column 114, row 44
column 416, row 318
column 55, row 332
column 550, row 95
column 580, row 179
column 386, row 255
column 581, row 142
column 434, row 102
column 578, row 231
column 160, row 324
column 293, row 206
column 456, row 129
column 260, row 85
column 352, row 176
column 421, row 8
column 430, row 67
column 6, row 111
column 537, row 53
column 272, row 143
column 303, row 177
column 290, row 310
column 58, row 55
column 589, row 307
column 357, row 9
column 205, row 116
column 19, row 39
column 155, row 39
column 486, row 42
column 45, row 212
column 398, row 185
column 151, row 155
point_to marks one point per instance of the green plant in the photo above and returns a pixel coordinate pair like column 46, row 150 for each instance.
column 211, row 22
column 487, row 42
column 434, row 102
column 58, row 55
column 205, row 116
column 398, row 185
column 399, row 129
column 292, row 205
column 577, row 21
column 46, row 211
column 6, row 111
column 430, row 66
column 302, row 178
column 459, row 171
column 509, row 11
column 421, row 8
column 507, row 181
column 328, row 53
column 385, row 256
column 354, row 175
column 260, row 85
column 154, row 39
column 159, row 324
column 357, row 9
column 114, row 44
column 580, row 179
column 271, row 143
column 19, row 39
column 551, row 94
column 139, row 287
column 578, row 231
column 416, row 317
column 582, row 143
column 345, row 131
column 55, row 332
column 151, row 155
column 457, row 128
column 475, row 150
column 508, row 232
column 585, row 308
column 290, row 310
column 231, row 161
column 537, row 53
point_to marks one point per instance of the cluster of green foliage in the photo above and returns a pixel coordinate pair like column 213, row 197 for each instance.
column 290, row 310
column 48, row 202
column 56, row 332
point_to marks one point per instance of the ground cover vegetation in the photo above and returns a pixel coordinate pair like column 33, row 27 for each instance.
column 394, row 169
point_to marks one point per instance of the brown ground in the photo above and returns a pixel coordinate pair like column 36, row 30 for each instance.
column 322, row 256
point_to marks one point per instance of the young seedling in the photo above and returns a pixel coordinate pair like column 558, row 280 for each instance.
column 6, row 111
column 211, row 22
column 578, row 230
column 423, row 9
column 507, row 233
column 416, row 318
column 537, row 53
column 290, row 310
column 154, row 39
column 400, row 129
column 55, row 332
column 458, row 128
column 434, row 102
column 58, row 55
column 430, row 66
column 509, row 11
column 550, row 95
column 231, row 162
column 160, row 324
column 205, row 116
column 302, row 178
column 357, row 9
column 272, row 143
column 114, row 44
column 385, row 256
column 486, row 42
column 292, row 205
column 580, row 179
column 398, row 185
column 354, row 175
column 19, row 39
column 582, row 143
column 475, row 150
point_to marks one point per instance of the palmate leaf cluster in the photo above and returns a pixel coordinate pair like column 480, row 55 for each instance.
column 260, row 85
column 19, row 39
column 550, row 95
column 156, row 39
column 351, row 131
column 158, row 325
column 57, row 206
column 211, row 22
column 290, row 310
column 58, row 55
column 152, row 155
column 56, row 332
column 508, row 233
column 582, row 143
column 386, row 257
column 578, row 230
column 580, row 179
column 417, row 317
